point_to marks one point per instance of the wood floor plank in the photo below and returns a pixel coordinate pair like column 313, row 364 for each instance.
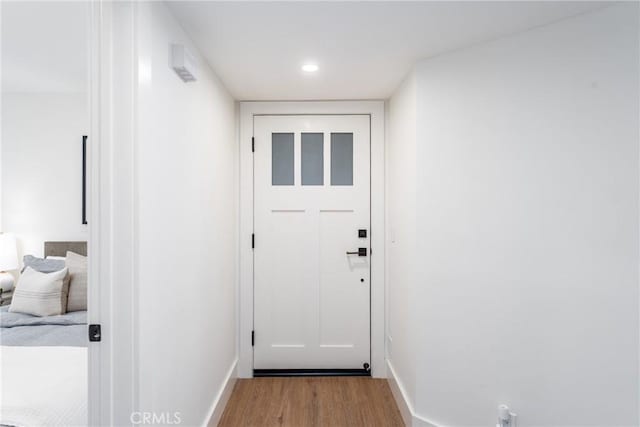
column 311, row 402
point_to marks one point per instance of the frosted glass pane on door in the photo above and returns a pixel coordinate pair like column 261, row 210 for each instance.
column 341, row 159
column 312, row 159
column 282, row 159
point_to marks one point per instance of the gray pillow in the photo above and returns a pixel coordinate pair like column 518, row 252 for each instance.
column 42, row 265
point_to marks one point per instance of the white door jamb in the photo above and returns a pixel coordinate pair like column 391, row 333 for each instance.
column 112, row 251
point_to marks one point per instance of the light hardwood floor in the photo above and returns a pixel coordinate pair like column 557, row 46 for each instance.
column 312, row 402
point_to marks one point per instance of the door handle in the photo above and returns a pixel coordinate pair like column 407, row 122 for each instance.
column 360, row 252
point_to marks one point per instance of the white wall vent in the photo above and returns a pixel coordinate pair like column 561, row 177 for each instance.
column 183, row 63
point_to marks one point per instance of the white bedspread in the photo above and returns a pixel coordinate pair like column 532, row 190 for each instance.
column 43, row 386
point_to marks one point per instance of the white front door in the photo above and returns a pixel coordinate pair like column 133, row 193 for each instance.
column 312, row 232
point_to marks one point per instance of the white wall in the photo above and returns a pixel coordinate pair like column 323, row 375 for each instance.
column 45, row 112
column 42, row 167
column 527, row 227
column 186, row 187
column 401, row 229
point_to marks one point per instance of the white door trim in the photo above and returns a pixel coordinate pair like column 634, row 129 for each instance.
column 376, row 110
column 113, row 380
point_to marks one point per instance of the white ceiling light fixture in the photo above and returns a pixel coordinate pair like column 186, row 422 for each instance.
column 310, row 68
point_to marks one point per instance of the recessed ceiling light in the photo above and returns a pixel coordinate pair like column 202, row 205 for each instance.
column 310, row 68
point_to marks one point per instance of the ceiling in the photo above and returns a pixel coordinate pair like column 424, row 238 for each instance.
column 363, row 49
column 44, row 46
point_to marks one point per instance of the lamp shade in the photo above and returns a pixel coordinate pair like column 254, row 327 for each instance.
column 8, row 252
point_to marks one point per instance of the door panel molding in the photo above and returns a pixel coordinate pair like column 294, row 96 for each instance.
column 374, row 109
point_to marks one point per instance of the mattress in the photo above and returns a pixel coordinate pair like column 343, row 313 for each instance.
column 43, row 369
column 43, row 386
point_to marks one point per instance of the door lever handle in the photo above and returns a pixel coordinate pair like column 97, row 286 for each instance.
column 360, row 252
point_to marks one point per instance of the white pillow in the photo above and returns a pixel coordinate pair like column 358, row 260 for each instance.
column 77, row 265
column 56, row 257
column 41, row 294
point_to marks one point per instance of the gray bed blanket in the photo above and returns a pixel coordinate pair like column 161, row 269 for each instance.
column 17, row 329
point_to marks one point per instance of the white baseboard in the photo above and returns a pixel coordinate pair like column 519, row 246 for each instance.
column 409, row 416
column 399, row 396
column 218, row 405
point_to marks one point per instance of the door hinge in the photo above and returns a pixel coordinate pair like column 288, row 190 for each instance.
column 253, row 241
column 94, row 333
column 253, row 144
column 253, row 338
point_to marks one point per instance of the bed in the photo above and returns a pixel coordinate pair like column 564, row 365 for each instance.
column 43, row 363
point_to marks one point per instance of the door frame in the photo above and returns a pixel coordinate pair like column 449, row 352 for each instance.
column 375, row 109
column 114, row 35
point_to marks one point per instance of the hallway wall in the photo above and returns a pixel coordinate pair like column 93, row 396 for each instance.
column 187, row 212
column 401, row 237
column 527, row 227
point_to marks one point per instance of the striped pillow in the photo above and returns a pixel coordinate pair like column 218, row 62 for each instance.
column 41, row 294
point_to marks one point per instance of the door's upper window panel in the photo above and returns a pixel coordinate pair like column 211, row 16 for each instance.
column 282, row 159
column 342, row 159
column 312, row 159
